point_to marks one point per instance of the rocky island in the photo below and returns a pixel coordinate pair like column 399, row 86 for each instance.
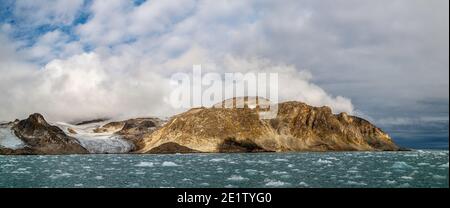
column 297, row 127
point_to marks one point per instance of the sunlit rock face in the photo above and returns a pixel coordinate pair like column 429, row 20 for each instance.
column 297, row 127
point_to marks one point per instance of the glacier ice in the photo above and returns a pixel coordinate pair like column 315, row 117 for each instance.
column 9, row 140
column 98, row 143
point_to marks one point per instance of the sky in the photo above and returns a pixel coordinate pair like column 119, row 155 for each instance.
column 386, row 61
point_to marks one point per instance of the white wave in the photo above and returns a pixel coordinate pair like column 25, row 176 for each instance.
column 9, row 140
column 145, row 164
column 281, row 160
column 98, row 177
column 169, row 164
column 237, row 178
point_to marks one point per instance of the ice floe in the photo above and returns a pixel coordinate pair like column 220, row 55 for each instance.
column 144, row 164
column 275, row 183
column 444, row 165
column 354, row 183
column 237, row 178
column 320, row 161
column 169, row 164
column 401, row 165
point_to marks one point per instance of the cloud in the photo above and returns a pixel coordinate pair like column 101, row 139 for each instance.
column 380, row 59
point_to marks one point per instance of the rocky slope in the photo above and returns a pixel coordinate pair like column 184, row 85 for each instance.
column 39, row 137
column 297, row 127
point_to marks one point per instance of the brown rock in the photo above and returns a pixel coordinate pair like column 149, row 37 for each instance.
column 171, row 148
column 297, row 127
column 43, row 138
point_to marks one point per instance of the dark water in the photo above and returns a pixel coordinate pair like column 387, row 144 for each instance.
column 344, row 169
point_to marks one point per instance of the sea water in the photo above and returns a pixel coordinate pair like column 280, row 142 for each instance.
column 302, row 170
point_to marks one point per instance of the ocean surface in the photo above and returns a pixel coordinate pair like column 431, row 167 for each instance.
column 335, row 169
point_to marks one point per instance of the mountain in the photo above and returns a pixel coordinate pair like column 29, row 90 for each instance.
column 297, row 127
column 36, row 136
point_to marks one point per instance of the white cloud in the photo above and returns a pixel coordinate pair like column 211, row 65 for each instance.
column 385, row 56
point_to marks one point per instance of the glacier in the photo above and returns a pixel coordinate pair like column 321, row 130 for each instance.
column 97, row 143
column 9, row 140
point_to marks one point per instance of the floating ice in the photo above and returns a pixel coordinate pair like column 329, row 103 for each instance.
column 401, row 165
column 56, row 176
column 444, row 165
column 423, row 164
column 144, row 164
column 439, row 177
column 320, row 161
column 407, row 178
column 169, row 164
column 354, row 183
column 405, row 185
column 275, row 183
column 303, row 184
column 217, row 160
column 236, row 178
column 275, row 172
column 391, row 182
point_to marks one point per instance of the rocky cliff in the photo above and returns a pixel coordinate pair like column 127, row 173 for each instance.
column 297, row 127
column 39, row 137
